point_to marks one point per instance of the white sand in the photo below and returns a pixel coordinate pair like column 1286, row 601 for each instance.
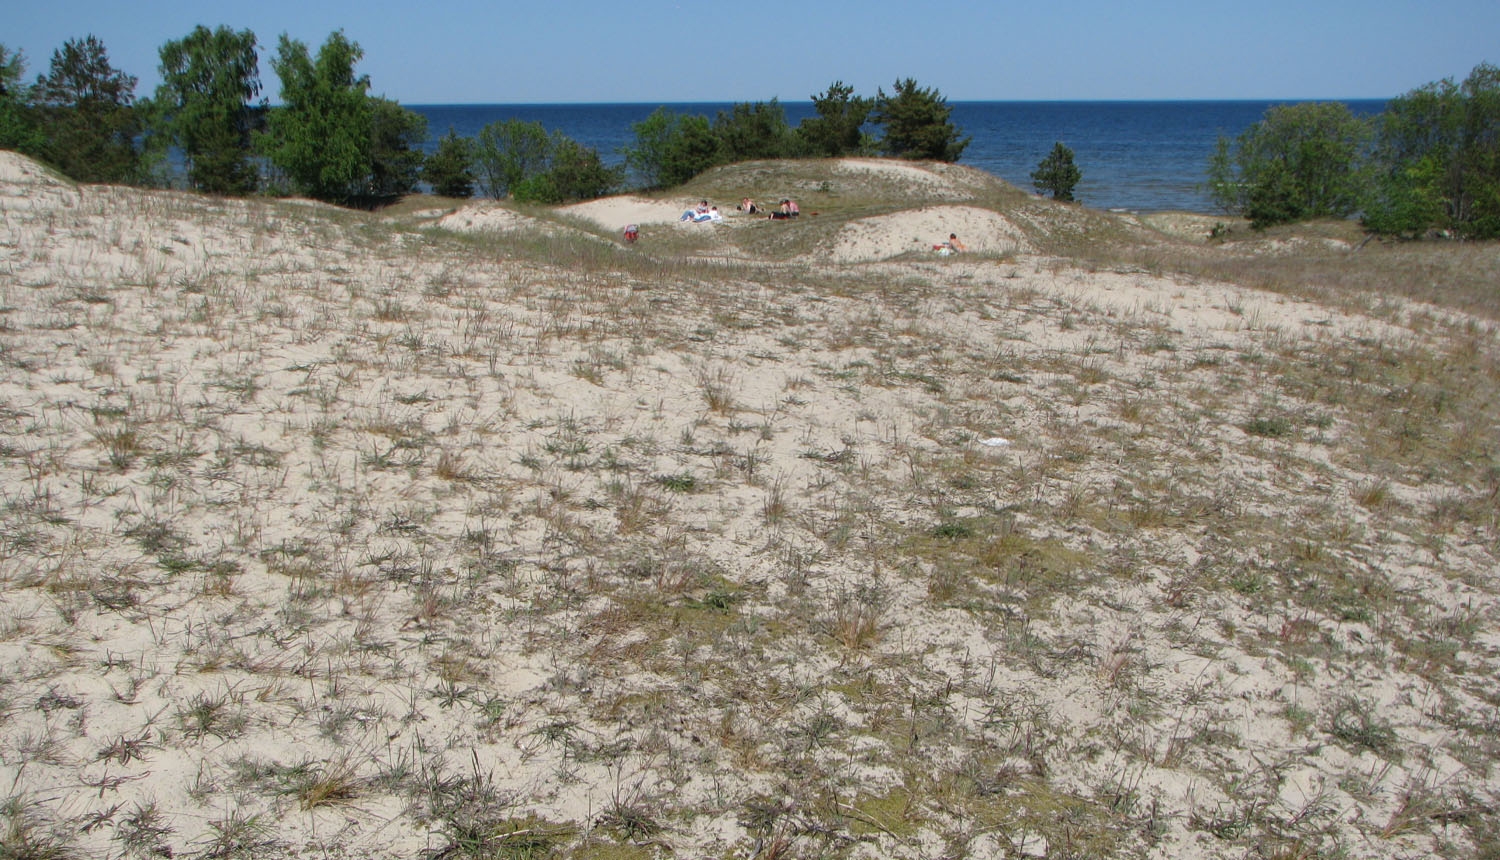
column 329, row 546
column 980, row 230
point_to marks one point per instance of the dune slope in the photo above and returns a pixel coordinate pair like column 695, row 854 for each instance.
column 334, row 535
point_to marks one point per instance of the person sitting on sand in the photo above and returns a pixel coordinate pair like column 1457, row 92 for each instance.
column 748, row 207
column 785, row 211
column 952, row 246
column 698, row 213
column 791, row 208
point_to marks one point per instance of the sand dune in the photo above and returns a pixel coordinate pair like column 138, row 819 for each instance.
column 327, row 535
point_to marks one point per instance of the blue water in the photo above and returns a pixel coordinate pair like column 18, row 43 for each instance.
column 1136, row 156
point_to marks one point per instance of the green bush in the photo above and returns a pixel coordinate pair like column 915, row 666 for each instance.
column 508, row 153
column 1057, row 174
column 1437, row 161
column 1299, row 162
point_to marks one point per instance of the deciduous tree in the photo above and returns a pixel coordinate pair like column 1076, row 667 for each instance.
column 671, row 148
column 1300, row 161
column 396, row 138
column 751, row 131
column 18, row 124
column 206, row 106
column 508, row 152
column 321, row 136
column 573, row 172
column 1437, row 159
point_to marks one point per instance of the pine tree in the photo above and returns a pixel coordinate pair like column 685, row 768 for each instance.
column 450, row 170
column 917, row 125
column 1057, row 173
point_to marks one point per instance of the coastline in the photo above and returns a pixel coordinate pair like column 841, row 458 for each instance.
column 1136, row 156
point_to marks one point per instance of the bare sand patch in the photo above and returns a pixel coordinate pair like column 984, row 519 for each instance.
column 614, row 213
column 982, row 231
column 920, row 175
column 489, row 217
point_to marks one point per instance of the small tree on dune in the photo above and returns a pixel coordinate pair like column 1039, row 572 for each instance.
column 671, row 148
column 573, row 172
column 450, row 170
column 396, row 137
column 1057, row 174
column 750, row 131
column 1299, row 162
column 1437, row 159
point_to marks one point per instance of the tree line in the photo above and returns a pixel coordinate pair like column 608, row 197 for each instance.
column 330, row 139
column 1429, row 162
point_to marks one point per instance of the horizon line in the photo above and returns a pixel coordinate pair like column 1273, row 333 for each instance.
column 949, row 101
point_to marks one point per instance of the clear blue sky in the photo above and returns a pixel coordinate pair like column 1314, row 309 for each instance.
column 461, row 51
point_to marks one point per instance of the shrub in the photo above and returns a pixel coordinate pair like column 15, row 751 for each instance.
column 510, row 152
column 751, row 131
column 1436, row 159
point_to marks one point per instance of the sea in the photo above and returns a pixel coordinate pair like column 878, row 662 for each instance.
column 1136, row 156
